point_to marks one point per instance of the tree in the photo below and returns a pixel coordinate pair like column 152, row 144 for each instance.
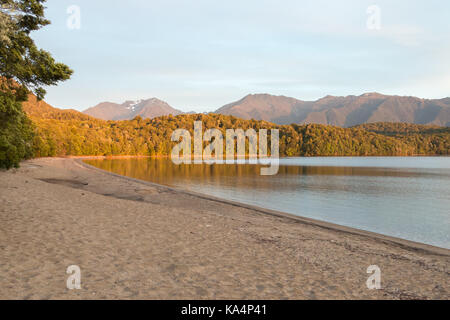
column 23, row 69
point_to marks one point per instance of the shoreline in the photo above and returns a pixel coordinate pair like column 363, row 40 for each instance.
column 134, row 239
column 246, row 157
column 404, row 243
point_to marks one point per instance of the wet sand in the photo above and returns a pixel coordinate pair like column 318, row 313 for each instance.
column 137, row 240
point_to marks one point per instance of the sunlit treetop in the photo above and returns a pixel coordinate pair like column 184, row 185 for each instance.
column 21, row 62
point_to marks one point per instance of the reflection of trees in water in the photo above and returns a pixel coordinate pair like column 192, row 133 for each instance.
column 410, row 203
column 164, row 171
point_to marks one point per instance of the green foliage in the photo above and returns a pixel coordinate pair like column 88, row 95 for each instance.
column 23, row 68
column 425, row 139
column 76, row 135
column 16, row 132
column 20, row 60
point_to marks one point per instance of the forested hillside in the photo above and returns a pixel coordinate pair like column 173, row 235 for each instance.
column 68, row 132
column 426, row 139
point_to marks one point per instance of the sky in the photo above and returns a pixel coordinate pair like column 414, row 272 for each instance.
column 198, row 55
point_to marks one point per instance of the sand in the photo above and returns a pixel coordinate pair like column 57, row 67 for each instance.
column 138, row 240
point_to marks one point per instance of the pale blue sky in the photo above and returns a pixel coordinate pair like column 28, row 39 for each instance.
column 201, row 54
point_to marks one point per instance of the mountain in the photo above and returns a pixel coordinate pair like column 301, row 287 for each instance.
column 341, row 111
column 128, row 110
column 62, row 132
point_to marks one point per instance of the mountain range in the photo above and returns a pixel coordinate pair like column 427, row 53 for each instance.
column 341, row 111
column 332, row 110
column 150, row 108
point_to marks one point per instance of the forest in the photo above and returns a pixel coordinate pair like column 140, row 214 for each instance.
column 70, row 133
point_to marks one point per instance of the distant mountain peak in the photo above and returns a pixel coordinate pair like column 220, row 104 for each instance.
column 372, row 94
column 145, row 108
column 341, row 111
column 155, row 100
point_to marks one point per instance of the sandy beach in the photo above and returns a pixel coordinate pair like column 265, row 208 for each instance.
column 137, row 240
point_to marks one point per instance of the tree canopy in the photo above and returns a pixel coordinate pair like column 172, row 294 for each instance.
column 64, row 133
column 24, row 68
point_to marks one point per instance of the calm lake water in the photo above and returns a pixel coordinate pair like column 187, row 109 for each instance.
column 403, row 197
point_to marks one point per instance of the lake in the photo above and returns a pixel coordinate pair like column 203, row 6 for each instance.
column 405, row 197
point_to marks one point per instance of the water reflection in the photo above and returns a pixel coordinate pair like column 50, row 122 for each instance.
column 407, row 202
